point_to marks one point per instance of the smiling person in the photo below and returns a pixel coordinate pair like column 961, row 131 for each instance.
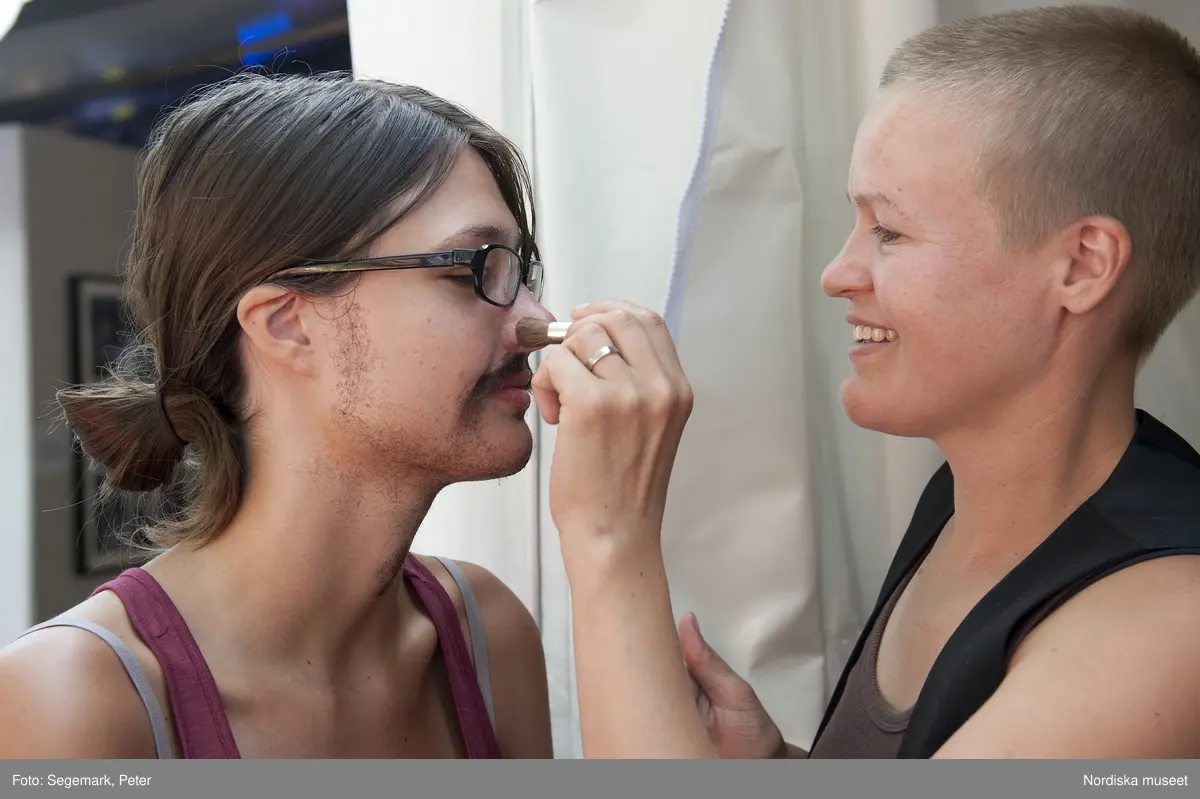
column 1026, row 190
column 326, row 274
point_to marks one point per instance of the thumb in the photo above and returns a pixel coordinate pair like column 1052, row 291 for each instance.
column 545, row 392
column 709, row 670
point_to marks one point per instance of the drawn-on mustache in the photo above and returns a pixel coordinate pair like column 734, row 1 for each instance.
column 512, row 366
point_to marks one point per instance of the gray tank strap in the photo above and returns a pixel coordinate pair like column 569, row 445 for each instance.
column 478, row 638
column 162, row 740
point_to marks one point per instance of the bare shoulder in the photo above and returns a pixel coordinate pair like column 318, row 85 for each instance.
column 1156, row 599
column 515, row 657
column 1109, row 674
column 507, row 621
column 65, row 694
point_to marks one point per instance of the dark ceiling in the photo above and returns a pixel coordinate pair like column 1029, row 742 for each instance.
column 106, row 68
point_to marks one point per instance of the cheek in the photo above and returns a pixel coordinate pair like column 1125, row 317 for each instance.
column 957, row 315
column 428, row 359
column 933, row 304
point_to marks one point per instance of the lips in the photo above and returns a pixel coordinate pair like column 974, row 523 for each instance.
column 862, row 321
column 519, row 380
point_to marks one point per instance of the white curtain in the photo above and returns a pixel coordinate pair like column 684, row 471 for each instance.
column 618, row 99
column 691, row 155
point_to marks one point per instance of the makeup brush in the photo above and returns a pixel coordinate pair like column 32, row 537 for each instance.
column 538, row 333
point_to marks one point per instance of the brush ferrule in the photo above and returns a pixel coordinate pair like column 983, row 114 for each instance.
column 557, row 331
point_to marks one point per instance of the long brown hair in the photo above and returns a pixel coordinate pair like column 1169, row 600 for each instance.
column 245, row 178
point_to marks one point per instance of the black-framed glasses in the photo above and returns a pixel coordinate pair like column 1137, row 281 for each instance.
column 499, row 271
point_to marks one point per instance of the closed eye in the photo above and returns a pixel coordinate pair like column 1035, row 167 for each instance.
column 884, row 235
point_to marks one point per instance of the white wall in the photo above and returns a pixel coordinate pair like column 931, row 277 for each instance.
column 16, row 489
column 64, row 208
column 79, row 195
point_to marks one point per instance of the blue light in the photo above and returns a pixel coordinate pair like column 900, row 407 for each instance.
column 262, row 28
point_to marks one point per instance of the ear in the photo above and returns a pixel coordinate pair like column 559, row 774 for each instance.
column 276, row 326
column 1098, row 250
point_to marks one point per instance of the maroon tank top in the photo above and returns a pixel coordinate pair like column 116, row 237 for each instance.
column 200, row 721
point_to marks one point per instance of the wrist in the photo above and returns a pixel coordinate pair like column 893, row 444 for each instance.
column 598, row 557
column 617, row 583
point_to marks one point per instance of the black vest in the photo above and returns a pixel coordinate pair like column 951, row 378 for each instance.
column 1148, row 508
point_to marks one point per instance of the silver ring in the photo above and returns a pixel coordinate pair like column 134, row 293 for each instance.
column 599, row 355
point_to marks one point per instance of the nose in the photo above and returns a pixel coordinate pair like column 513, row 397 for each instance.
column 847, row 274
column 525, row 307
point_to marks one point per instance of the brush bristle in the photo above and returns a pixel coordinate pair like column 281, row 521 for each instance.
column 537, row 333
column 532, row 333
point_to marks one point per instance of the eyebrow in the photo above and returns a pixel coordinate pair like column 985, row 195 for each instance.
column 875, row 198
column 487, row 234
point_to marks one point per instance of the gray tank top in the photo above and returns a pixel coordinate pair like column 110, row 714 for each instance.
column 865, row 725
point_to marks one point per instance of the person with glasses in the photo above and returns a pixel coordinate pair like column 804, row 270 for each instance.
column 325, row 277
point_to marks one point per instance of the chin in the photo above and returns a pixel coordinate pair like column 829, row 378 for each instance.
column 874, row 409
column 515, row 462
column 502, row 450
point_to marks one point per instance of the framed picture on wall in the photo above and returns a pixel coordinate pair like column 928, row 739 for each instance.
column 100, row 332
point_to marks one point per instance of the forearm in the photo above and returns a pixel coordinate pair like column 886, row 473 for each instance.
column 635, row 696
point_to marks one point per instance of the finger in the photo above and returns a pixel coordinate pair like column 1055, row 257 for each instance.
column 655, row 326
column 545, row 396
column 545, row 392
column 708, row 669
column 627, row 334
column 691, row 640
column 602, row 306
column 662, row 387
column 586, row 340
column 555, row 373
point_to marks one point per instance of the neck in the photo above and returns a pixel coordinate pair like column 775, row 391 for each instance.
column 1021, row 469
column 310, row 562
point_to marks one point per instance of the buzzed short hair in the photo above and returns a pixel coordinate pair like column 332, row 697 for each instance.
column 1084, row 110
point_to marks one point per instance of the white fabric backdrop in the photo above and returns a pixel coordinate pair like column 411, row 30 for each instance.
column 783, row 516
column 618, row 98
